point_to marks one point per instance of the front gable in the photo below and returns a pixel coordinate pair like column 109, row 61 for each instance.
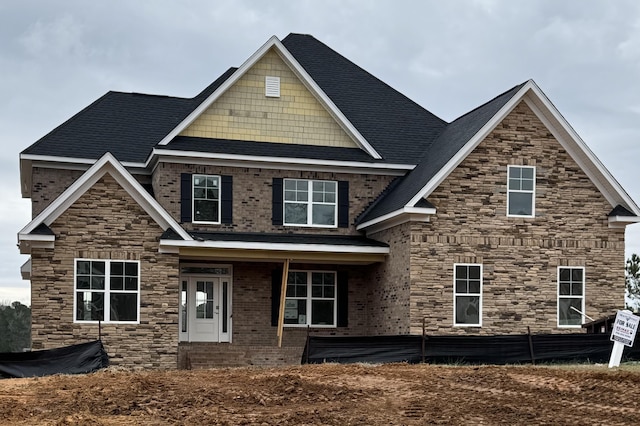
column 246, row 112
column 37, row 233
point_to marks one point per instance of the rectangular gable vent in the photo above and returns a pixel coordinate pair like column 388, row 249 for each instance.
column 272, row 87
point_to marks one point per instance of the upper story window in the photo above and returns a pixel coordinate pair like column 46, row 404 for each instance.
column 310, row 202
column 521, row 191
column 570, row 296
column 311, row 299
column 206, row 198
column 467, row 282
column 107, row 290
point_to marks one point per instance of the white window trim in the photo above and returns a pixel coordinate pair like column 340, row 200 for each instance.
column 533, row 191
column 193, row 200
column 310, row 204
column 583, row 297
column 455, row 294
column 106, row 292
column 309, row 298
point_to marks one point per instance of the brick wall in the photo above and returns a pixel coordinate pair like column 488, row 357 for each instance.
column 520, row 256
column 106, row 223
column 389, row 294
column 243, row 112
column 252, row 195
column 48, row 184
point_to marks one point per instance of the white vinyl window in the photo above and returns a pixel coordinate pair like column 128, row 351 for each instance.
column 570, row 296
column 310, row 203
column 521, row 188
column 467, row 284
column 311, row 299
column 206, row 198
column 107, row 290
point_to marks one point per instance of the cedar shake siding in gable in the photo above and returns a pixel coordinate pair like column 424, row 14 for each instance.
column 106, row 223
column 253, row 196
column 520, row 256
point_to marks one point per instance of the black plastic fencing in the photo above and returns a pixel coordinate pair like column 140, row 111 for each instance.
column 76, row 359
column 509, row 349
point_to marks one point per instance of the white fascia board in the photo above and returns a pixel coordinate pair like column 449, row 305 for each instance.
column 279, row 162
column 578, row 149
column 69, row 160
column 405, row 214
column 470, row 145
column 303, row 248
column 36, row 237
column 299, row 71
column 25, row 270
column 622, row 221
column 106, row 164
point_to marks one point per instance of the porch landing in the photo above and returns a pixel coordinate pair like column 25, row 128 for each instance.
column 214, row 355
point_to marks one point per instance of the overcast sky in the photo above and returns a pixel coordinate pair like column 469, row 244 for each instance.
column 448, row 56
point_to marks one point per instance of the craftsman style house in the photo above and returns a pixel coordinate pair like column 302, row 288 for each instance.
column 299, row 194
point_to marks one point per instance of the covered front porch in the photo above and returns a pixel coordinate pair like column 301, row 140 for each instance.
column 252, row 299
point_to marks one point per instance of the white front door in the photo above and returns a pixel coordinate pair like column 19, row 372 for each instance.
column 205, row 315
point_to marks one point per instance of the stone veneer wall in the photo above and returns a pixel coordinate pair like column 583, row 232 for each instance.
column 520, row 256
column 252, row 195
column 106, row 223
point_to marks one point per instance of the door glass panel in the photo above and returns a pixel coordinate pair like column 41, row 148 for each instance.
column 225, row 306
column 204, row 299
column 183, row 306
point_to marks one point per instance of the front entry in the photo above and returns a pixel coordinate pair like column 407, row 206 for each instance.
column 205, row 308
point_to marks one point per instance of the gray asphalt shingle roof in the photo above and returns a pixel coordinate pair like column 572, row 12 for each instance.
column 130, row 125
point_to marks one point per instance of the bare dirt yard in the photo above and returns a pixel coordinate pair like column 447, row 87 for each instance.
column 330, row 394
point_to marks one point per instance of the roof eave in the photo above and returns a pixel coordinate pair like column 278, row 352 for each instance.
column 398, row 217
column 622, row 221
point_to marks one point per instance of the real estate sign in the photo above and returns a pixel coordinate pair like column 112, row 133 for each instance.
column 625, row 327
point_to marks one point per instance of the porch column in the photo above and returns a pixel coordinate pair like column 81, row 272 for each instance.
column 283, row 294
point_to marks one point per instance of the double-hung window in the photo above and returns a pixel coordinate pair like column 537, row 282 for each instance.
column 311, row 299
column 521, row 191
column 467, row 282
column 570, row 296
column 206, row 198
column 107, row 290
column 310, row 202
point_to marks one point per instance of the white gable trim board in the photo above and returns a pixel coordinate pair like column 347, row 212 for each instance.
column 106, row 164
column 562, row 131
column 304, row 77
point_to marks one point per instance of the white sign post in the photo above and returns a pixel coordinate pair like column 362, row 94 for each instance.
column 623, row 334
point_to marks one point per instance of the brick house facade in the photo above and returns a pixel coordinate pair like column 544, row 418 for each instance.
column 299, row 171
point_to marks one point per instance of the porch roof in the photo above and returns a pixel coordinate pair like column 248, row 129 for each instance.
column 259, row 246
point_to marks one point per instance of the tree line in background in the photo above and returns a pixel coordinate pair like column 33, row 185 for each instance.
column 15, row 327
column 632, row 283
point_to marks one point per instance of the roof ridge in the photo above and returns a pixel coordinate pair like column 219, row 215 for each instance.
column 518, row 86
column 363, row 70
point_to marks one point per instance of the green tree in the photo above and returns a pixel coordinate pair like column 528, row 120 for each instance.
column 632, row 283
column 15, row 327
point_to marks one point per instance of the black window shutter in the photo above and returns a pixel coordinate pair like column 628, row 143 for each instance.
column 226, row 198
column 185, row 197
column 343, row 204
column 343, row 299
column 276, row 284
column 276, row 217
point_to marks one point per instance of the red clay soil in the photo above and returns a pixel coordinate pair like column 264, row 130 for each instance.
column 330, row 394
